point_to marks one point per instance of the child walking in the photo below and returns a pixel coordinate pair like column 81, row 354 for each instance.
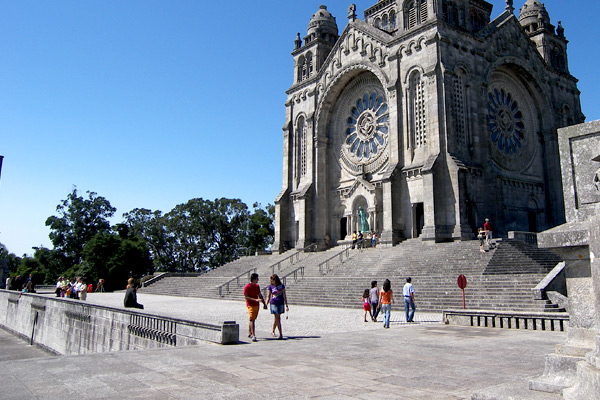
column 367, row 304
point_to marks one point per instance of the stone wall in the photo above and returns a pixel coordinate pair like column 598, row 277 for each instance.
column 71, row 327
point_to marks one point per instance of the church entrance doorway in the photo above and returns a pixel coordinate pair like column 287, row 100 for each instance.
column 532, row 217
column 343, row 228
column 418, row 219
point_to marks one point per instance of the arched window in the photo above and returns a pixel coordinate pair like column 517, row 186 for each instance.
column 386, row 23
column 392, row 20
column 301, row 68
column 417, row 117
column 459, row 109
column 377, row 22
column 309, row 65
column 300, row 151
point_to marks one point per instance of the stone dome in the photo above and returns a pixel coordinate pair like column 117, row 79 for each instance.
column 322, row 21
column 531, row 12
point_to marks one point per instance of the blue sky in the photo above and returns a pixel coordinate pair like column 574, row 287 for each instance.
column 152, row 103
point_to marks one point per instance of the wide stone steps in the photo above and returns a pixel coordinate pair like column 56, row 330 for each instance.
column 434, row 268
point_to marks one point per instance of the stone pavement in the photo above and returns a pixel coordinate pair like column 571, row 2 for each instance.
column 328, row 353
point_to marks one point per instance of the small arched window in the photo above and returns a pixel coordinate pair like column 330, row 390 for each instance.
column 417, row 117
column 301, row 68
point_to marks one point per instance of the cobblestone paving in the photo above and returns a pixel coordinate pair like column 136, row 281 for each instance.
column 299, row 321
column 328, row 354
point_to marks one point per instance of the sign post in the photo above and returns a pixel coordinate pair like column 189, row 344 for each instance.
column 462, row 283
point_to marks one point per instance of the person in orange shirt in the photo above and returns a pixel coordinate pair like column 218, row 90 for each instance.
column 386, row 298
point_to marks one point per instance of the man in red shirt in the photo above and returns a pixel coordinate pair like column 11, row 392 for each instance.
column 487, row 227
column 253, row 299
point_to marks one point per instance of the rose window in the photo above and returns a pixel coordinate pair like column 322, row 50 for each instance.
column 366, row 127
column 506, row 122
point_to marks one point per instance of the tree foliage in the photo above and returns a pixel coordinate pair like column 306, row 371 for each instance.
column 261, row 228
column 78, row 221
column 194, row 236
column 115, row 258
column 202, row 234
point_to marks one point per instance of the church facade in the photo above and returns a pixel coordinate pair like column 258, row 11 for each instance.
column 422, row 120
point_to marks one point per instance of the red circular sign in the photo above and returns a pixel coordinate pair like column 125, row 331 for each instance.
column 462, row 281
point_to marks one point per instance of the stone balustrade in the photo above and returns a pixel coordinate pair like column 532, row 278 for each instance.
column 68, row 326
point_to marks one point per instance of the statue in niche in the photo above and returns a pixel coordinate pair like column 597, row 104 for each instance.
column 364, row 223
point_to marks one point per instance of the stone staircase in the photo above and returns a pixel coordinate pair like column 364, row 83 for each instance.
column 500, row 279
column 207, row 285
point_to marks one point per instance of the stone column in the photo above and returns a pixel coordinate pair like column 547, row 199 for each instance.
column 587, row 382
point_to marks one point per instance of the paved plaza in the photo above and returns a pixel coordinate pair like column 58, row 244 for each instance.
column 328, row 353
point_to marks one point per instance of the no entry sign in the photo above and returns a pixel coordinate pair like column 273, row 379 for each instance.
column 462, row 283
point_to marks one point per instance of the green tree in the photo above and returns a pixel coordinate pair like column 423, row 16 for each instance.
column 29, row 265
column 52, row 263
column 205, row 234
column 261, row 228
column 115, row 258
column 10, row 260
column 150, row 225
column 78, row 221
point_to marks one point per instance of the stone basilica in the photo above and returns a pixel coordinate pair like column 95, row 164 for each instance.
column 423, row 119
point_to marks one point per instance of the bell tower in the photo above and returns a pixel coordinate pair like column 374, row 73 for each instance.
column 550, row 41
column 321, row 37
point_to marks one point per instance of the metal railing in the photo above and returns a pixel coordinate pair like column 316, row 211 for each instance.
column 328, row 264
column 293, row 258
column 226, row 285
column 297, row 275
column 225, row 288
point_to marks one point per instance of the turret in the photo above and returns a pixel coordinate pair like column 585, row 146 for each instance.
column 321, row 37
column 552, row 46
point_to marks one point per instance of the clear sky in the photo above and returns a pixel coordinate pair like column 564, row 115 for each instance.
column 151, row 103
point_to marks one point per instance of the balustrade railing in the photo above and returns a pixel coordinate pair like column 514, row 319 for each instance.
column 226, row 285
column 293, row 258
column 334, row 260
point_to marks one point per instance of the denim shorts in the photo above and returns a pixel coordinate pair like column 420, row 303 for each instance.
column 277, row 309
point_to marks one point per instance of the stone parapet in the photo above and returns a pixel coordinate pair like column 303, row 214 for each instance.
column 69, row 326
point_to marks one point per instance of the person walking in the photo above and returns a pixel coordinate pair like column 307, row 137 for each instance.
column 386, row 298
column 253, row 299
column 409, row 299
column 481, row 237
column 487, row 227
column 374, row 292
column 277, row 299
column 367, row 304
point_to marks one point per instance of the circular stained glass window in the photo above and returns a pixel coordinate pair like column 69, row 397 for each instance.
column 507, row 129
column 366, row 127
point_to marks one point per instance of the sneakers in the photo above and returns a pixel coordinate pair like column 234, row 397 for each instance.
column 254, row 339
